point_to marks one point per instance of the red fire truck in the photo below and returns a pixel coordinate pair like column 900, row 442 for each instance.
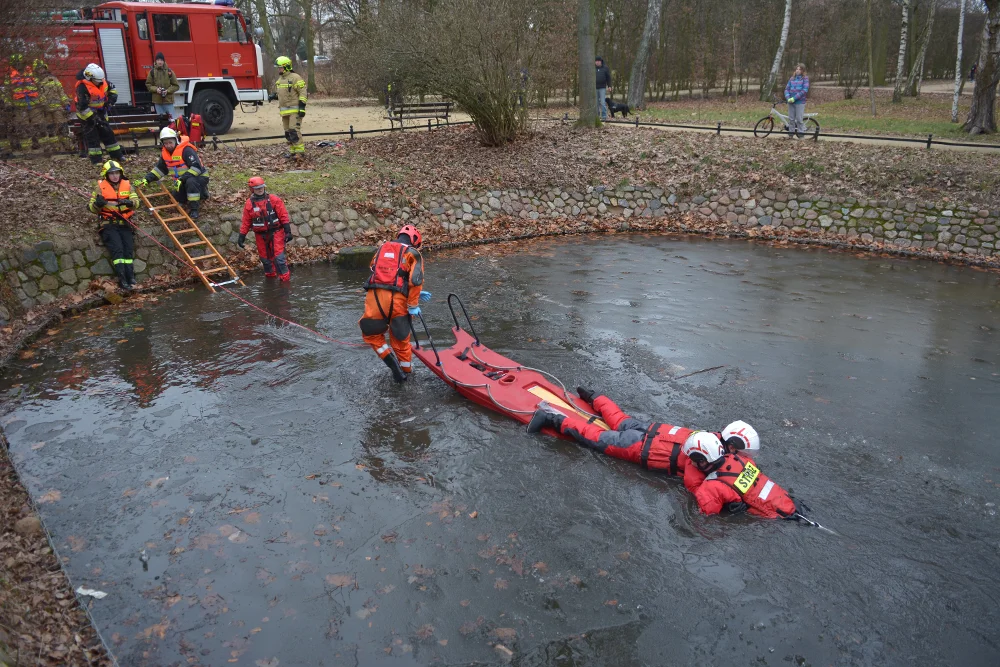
column 209, row 47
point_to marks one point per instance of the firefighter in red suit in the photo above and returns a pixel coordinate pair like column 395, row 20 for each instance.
column 733, row 481
column 653, row 445
column 267, row 216
column 393, row 296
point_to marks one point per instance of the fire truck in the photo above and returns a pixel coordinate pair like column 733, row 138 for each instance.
column 208, row 46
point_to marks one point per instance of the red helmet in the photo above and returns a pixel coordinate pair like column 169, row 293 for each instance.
column 413, row 233
column 255, row 182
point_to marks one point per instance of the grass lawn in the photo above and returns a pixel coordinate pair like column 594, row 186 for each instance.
column 929, row 114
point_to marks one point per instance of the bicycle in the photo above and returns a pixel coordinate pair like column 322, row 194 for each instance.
column 765, row 125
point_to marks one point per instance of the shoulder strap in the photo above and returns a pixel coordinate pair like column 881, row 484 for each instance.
column 648, row 442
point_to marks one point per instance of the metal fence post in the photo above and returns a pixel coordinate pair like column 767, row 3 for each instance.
column 929, row 137
column 352, row 132
column 718, row 129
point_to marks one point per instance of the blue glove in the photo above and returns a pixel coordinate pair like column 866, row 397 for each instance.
column 425, row 296
column 413, row 310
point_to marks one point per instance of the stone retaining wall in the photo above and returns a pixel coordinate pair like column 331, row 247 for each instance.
column 48, row 270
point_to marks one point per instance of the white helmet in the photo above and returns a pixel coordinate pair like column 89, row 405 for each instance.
column 704, row 444
column 94, row 72
column 168, row 133
column 744, row 434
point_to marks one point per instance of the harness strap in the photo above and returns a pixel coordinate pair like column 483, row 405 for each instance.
column 648, row 442
column 674, row 455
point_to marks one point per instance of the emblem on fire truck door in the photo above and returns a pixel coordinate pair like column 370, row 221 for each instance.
column 236, row 58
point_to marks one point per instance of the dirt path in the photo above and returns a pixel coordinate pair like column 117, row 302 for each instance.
column 323, row 115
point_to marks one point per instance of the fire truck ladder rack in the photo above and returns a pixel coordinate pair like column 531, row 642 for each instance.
column 208, row 263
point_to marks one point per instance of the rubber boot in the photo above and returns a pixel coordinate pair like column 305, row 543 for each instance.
column 130, row 275
column 193, row 210
column 270, row 274
column 285, row 277
column 122, row 277
column 397, row 373
column 545, row 416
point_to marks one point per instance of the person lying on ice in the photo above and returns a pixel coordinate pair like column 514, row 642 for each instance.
column 733, row 481
column 393, row 294
column 653, row 445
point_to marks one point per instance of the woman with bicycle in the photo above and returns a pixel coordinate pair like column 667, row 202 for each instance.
column 796, row 91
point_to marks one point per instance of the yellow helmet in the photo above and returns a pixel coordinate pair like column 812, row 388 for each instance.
column 39, row 64
column 109, row 166
column 284, row 62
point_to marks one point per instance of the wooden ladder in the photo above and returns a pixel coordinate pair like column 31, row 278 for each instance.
column 209, row 262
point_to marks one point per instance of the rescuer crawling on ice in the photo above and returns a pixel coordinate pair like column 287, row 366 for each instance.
column 179, row 161
column 393, row 293
column 654, row 445
column 115, row 202
column 267, row 216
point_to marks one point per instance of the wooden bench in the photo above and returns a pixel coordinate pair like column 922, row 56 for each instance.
column 127, row 124
column 397, row 112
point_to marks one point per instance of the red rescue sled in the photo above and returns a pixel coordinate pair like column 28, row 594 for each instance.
column 494, row 381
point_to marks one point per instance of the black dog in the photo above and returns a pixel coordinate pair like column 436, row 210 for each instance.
column 616, row 107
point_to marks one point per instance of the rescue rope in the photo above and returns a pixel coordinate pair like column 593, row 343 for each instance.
column 191, row 265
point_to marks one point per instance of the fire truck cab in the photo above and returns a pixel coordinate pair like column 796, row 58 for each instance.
column 208, row 46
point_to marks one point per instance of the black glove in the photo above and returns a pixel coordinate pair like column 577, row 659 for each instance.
column 126, row 204
column 288, row 233
column 100, row 201
column 272, row 97
column 242, row 241
column 302, row 108
column 737, row 508
column 585, row 394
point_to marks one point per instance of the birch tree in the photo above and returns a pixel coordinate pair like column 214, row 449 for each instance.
column 982, row 119
column 959, row 72
column 772, row 77
column 650, row 34
column 904, row 38
column 587, row 71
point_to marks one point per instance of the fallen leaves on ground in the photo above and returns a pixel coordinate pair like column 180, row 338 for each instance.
column 340, row 580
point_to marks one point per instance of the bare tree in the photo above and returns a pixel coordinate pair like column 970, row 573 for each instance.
column 307, row 12
column 871, row 62
column 904, row 38
column 916, row 71
column 959, row 72
column 650, row 33
column 982, row 119
column 772, row 77
column 587, row 72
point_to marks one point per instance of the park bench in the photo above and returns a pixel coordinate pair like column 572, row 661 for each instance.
column 132, row 125
column 397, row 112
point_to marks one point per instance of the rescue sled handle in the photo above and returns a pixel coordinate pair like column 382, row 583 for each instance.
column 416, row 341
column 472, row 329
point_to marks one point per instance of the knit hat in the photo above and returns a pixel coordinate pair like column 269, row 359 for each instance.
column 159, row 56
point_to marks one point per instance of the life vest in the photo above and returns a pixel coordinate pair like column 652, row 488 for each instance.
column 175, row 161
column 98, row 94
column 263, row 218
column 661, row 448
column 388, row 272
column 110, row 210
column 23, row 88
column 764, row 497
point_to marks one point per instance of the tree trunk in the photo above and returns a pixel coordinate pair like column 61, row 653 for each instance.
column 768, row 88
column 959, row 71
column 268, row 45
column 307, row 14
column 904, row 38
column 982, row 118
column 917, row 71
column 871, row 61
column 650, row 33
column 587, row 71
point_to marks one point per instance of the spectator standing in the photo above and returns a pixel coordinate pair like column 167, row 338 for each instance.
column 162, row 83
column 603, row 83
column 796, row 91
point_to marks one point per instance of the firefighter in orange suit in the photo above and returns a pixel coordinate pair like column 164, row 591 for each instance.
column 393, row 295
column 115, row 202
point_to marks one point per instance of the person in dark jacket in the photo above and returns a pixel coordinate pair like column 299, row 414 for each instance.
column 603, row 83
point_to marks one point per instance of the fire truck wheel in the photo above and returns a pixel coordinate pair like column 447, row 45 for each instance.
column 216, row 111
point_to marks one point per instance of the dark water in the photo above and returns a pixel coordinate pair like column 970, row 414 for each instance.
column 295, row 505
